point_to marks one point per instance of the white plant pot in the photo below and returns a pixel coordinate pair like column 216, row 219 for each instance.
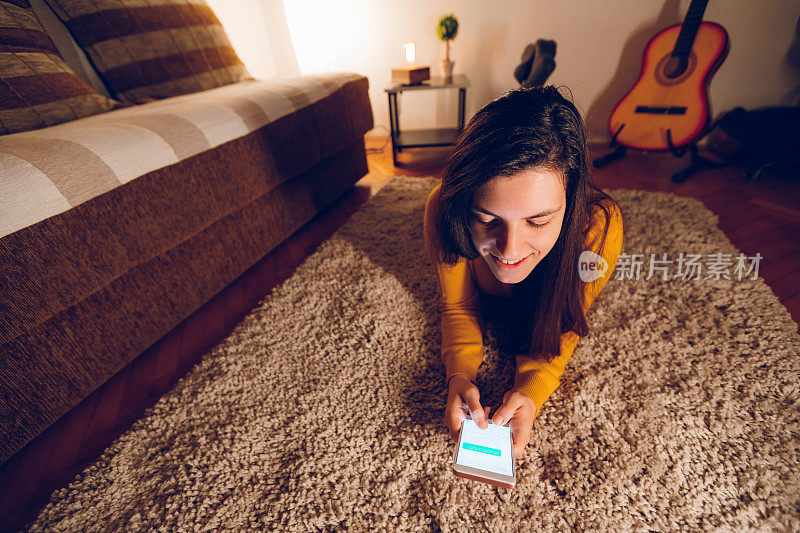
column 447, row 69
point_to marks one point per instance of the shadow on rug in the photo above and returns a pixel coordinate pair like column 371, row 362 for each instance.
column 324, row 408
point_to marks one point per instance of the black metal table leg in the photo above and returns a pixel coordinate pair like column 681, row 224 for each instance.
column 393, row 129
column 397, row 124
column 462, row 98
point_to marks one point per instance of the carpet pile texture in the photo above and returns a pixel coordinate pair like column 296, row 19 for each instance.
column 323, row 409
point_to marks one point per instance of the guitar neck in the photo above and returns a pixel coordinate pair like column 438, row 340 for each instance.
column 689, row 28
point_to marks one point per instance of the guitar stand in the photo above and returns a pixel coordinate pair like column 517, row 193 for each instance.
column 617, row 152
column 697, row 163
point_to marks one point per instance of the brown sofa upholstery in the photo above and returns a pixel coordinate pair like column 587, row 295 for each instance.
column 86, row 290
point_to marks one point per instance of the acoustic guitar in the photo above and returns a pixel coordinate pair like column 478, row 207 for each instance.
column 668, row 107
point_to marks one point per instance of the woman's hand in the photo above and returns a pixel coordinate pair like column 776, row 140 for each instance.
column 521, row 410
column 462, row 391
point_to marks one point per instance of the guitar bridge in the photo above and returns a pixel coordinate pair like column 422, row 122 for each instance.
column 660, row 110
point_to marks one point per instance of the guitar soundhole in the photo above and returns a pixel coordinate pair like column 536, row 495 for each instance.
column 674, row 67
column 673, row 70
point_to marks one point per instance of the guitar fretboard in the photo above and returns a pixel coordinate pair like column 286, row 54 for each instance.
column 689, row 28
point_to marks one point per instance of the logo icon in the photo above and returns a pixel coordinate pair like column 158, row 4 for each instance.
column 591, row 266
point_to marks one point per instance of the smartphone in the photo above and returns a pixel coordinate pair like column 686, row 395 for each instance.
column 485, row 454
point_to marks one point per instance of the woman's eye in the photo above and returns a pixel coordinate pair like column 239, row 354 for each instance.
column 489, row 223
column 494, row 221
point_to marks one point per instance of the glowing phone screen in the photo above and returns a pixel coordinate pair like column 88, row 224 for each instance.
column 487, row 449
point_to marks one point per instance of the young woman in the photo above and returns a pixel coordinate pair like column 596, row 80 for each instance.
column 514, row 213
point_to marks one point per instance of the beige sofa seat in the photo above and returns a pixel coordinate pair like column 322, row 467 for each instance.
column 116, row 227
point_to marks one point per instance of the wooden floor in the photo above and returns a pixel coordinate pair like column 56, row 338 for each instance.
column 758, row 216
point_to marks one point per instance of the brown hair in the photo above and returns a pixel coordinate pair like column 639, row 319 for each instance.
column 527, row 128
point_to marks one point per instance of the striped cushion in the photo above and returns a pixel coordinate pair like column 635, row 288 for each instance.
column 47, row 172
column 146, row 49
column 37, row 89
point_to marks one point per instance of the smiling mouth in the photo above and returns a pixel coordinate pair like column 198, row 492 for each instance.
column 508, row 265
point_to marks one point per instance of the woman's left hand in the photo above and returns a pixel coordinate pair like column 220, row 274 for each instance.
column 521, row 410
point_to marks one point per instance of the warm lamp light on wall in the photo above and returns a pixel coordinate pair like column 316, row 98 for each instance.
column 411, row 74
column 410, row 49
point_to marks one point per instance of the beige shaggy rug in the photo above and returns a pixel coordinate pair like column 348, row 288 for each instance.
column 323, row 410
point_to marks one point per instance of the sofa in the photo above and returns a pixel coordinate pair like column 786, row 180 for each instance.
column 116, row 227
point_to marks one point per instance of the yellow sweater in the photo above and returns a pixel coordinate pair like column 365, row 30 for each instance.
column 462, row 335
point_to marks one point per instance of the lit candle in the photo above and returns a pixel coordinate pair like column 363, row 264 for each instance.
column 410, row 49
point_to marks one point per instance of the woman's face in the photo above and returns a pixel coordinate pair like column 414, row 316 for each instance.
column 517, row 219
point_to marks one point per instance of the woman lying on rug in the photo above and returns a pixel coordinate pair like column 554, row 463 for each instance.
column 514, row 212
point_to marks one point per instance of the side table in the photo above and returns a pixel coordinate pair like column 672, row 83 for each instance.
column 429, row 137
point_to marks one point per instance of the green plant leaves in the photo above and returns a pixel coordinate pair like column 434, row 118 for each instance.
column 447, row 27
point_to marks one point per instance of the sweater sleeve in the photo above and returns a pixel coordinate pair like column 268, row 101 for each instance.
column 461, row 320
column 538, row 379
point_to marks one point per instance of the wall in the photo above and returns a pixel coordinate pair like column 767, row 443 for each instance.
column 258, row 32
column 600, row 47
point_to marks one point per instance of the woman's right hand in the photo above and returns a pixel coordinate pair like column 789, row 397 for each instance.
column 461, row 391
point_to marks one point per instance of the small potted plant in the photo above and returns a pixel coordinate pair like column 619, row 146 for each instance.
column 447, row 30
